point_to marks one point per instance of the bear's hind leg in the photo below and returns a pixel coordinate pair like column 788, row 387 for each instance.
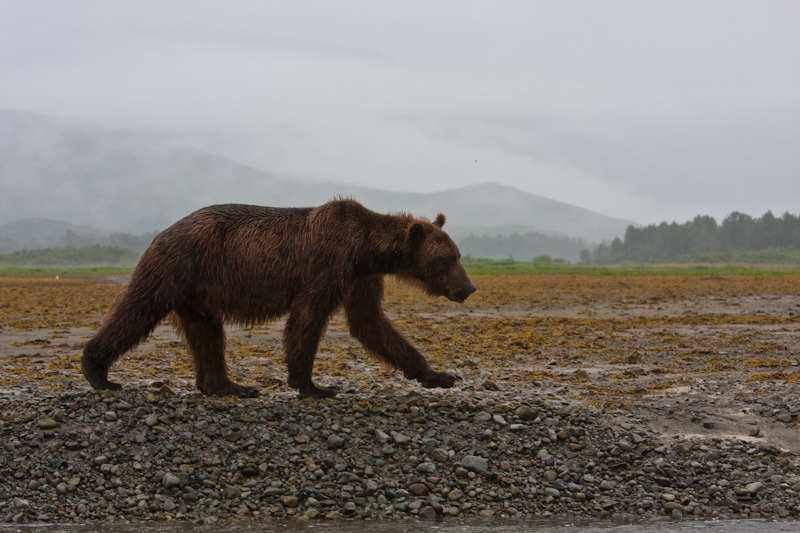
column 300, row 341
column 128, row 324
column 205, row 338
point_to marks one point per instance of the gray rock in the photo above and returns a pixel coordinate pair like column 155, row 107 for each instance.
column 370, row 487
column 170, row 481
column 427, row 513
column 335, row 441
column 626, row 446
column 476, row 464
column 483, row 416
column 755, row 487
column 426, row 468
column 20, row 503
column 525, row 413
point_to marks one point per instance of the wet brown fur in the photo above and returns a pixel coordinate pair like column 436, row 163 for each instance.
column 246, row 264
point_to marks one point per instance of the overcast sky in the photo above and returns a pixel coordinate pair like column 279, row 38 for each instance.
column 642, row 109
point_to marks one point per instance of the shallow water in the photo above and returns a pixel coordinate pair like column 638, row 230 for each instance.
column 699, row 526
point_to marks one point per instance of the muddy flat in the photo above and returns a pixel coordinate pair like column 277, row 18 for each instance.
column 709, row 356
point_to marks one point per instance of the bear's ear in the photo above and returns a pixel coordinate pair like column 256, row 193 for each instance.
column 439, row 220
column 416, row 233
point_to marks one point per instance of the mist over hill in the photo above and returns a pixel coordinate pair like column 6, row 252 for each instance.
column 141, row 181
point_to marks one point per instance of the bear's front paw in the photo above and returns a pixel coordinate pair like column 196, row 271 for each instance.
column 438, row 379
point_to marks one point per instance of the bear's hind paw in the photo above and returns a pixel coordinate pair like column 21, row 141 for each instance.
column 318, row 392
column 232, row 389
column 97, row 375
column 441, row 380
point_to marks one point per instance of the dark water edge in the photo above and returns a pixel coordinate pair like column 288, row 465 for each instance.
column 472, row 526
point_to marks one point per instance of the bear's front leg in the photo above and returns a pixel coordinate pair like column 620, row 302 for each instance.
column 374, row 330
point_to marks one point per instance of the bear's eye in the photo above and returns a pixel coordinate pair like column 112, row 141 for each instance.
column 449, row 260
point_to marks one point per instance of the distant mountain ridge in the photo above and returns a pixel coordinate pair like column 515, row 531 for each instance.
column 139, row 182
column 36, row 233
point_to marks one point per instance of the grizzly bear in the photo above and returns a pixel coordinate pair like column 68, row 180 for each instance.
column 245, row 264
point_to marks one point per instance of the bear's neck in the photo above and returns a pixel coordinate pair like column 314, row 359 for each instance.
column 385, row 250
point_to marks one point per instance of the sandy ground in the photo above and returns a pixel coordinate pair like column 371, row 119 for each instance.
column 687, row 355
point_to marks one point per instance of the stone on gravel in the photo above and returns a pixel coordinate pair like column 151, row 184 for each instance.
column 170, row 481
column 525, row 413
column 418, row 489
column 427, row 513
column 47, row 423
column 755, row 487
column 335, row 441
column 479, row 465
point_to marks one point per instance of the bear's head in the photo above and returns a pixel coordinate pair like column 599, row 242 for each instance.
column 435, row 261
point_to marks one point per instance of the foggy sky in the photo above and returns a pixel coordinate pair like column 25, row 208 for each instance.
column 642, row 110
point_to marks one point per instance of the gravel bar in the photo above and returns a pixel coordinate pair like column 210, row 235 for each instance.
column 149, row 454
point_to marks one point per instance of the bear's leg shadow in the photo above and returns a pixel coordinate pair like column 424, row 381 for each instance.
column 205, row 339
column 304, row 328
column 375, row 331
column 131, row 320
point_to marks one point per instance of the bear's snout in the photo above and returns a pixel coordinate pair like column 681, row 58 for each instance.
column 462, row 294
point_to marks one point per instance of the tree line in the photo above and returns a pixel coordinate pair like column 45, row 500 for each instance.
column 73, row 249
column 88, row 256
column 739, row 238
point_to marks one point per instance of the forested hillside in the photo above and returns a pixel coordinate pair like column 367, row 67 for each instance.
column 739, row 238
